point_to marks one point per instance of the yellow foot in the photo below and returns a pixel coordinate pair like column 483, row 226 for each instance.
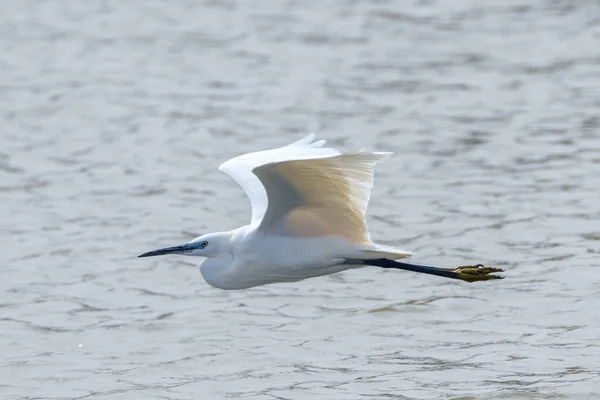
column 474, row 273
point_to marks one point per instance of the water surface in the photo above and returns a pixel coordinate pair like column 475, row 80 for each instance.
column 115, row 115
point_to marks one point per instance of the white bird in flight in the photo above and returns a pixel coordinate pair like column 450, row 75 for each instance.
column 308, row 220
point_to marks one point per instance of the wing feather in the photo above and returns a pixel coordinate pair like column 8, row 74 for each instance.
column 306, row 189
column 320, row 197
column 240, row 168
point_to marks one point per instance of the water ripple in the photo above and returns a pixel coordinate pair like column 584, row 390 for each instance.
column 116, row 115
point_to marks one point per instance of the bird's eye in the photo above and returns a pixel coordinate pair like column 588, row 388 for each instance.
column 204, row 244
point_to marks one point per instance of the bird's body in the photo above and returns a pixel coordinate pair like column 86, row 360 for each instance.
column 256, row 258
column 308, row 219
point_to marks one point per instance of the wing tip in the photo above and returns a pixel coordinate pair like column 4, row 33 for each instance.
column 310, row 141
column 223, row 166
column 305, row 140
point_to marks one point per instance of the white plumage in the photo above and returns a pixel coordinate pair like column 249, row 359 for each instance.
column 308, row 219
column 306, row 190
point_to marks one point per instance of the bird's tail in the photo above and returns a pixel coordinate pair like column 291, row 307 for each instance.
column 375, row 251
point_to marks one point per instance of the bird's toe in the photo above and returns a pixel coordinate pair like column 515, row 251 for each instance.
column 479, row 272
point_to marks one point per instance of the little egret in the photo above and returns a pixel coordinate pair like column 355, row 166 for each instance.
column 308, row 220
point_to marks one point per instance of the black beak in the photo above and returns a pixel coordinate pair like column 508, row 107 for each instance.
column 184, row 248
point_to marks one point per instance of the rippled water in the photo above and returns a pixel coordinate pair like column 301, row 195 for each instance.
column 115, row 115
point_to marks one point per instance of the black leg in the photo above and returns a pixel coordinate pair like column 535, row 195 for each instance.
column 468, row 273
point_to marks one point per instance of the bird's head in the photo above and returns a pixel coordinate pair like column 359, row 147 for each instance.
column 209, row 245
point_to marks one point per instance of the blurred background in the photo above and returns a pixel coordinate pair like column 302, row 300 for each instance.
column 114, row 117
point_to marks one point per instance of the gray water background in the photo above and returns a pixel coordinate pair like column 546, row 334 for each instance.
column 115, row 115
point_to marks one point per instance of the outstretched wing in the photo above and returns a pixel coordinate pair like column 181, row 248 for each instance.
column 305, row 190
column 240, row 169
column 320, row 197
